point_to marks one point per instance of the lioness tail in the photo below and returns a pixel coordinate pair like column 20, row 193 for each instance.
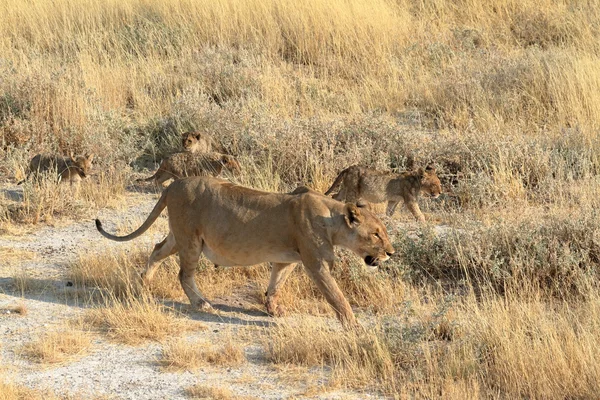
column 160, row 205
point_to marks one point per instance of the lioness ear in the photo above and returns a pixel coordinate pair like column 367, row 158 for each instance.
column 72, row 156
column 353, row 215
column 90, row 157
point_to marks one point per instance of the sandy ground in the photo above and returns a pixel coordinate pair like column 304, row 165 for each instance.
column 116, row 370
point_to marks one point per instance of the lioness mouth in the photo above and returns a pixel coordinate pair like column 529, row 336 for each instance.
column 371, row 261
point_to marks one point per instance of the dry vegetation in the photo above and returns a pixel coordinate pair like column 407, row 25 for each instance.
column 502, row 95
column 183, row 354
column 57, row 347
column 120, row 306
column 212, row 393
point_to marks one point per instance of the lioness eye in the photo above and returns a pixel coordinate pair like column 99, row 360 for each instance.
column 376, row 235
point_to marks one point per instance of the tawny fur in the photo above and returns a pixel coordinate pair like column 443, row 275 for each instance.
column 199, row 142
column 234, row 225
column 183, row 164
column 69, row 169
column 359, row 183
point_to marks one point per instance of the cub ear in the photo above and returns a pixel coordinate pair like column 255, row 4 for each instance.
column 430, row 168
column 90, row 157
column 197, row 135
column 72, row 156
column 353, row 214
column 361, row 203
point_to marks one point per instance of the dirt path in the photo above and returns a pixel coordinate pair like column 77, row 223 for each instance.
column 116, row 370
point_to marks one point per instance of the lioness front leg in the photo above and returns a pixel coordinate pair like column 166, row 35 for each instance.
column 318, row 270
column 188, row 261
column 279, row 274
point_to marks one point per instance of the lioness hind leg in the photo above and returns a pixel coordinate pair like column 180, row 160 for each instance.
column 319, row 273
column 188, row 261
column 279, row 274
column 161, row 251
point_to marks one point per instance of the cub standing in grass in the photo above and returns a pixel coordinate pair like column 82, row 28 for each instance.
column 72, row 169
column 378, row 186
column 182, row 164
column 234, row 225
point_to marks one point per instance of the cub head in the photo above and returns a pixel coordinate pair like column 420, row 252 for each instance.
column 231, row 163
column 196, row 142
column 82, row 164
column 430, row 183
column 366, row 236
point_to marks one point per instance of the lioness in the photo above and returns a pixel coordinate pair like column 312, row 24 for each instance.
column 199, row 142
column 235, row 225
column 182, row 164
column 378, row 186
column 71, row 169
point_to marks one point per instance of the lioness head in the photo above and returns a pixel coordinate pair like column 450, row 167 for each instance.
column 82, row 164
column 368, row 237
column 231, row 163
column 196, row 142
column 430, row 183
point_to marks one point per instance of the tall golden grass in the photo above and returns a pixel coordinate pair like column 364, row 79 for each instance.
column 80, row 73
column 501, row 95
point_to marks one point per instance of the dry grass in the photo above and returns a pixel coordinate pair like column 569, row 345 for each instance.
column 18, row 309
column 502, row 96
column 535, row 350
column 25, row 282
column 9, row 391
column 121, row 306
column 209, row 392
column 12, row 254
column 137, row 320
column 183, row 354
column 58, row 347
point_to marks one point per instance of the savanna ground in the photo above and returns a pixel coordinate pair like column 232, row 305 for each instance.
column 496, row 296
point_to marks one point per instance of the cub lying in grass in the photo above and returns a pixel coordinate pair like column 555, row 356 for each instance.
column 185, row 163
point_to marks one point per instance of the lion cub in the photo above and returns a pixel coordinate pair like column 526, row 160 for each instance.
column 199, row 142
column 185, row 163
column 72, row 169
column 378, row 186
